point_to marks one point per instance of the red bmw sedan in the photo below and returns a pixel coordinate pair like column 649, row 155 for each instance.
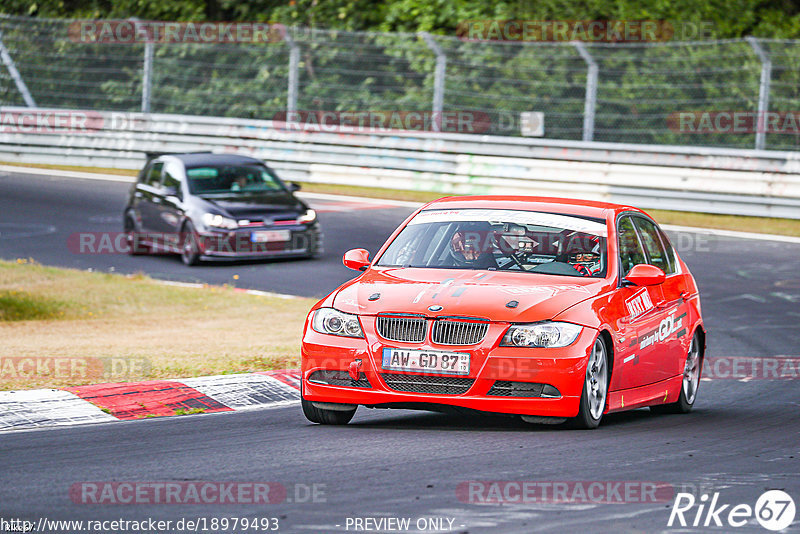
column 551, row 309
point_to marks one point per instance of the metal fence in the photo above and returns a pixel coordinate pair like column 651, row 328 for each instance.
column 623, row 93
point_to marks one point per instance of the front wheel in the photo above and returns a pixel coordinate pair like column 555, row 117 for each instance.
column 595, row 388
column 691, row 381
column 340, row 416
column 190, row 248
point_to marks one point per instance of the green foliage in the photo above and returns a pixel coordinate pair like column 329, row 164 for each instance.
column 639, row 88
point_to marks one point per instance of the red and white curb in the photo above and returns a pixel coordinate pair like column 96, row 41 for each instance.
column 101, row 403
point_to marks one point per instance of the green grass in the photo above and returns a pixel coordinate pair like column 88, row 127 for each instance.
column 23, row 306
column 168, row 332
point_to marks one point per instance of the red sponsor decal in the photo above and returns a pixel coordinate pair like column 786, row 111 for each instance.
column 639, row 302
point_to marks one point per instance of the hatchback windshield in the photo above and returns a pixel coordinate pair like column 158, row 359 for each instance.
column 232, row 180
column 492, row 239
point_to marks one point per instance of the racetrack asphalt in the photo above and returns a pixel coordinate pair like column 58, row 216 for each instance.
column 742, row 438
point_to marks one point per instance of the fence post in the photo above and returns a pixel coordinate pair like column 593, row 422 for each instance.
column 147, row 76
column 591, row 91
column 294, row 65
column 438, row 80
column 12, row 70
column 763, row 92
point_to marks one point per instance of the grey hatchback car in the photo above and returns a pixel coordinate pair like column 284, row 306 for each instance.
column 207, row 206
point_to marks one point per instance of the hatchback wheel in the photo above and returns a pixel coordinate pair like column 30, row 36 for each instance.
column 190, row 248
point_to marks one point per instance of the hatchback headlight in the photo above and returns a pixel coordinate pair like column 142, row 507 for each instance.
column 218, row 221
column 331, row 321
column 307, row 217
column 547, row 335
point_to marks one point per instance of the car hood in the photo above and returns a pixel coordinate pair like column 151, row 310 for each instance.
column 467, row 293
column 245, row 206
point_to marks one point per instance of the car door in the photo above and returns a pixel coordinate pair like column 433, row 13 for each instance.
column 635, row 359
column 668, row 355
column 146, row 197
column 168, row 204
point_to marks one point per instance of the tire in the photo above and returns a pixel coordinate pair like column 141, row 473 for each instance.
column 190, row 250
column 691, row 381
column 325, row 417
column 133, row 238
column 595, row 388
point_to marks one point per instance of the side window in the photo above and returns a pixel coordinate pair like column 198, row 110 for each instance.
column 630, row 248
column 154, row 176
column 170, row 180
column 653, row 244
column 144, row 173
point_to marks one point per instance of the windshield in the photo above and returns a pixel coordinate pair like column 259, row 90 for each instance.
column 511, row 240
column 232, row 180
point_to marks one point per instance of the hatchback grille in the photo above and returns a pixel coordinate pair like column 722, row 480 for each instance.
column 410, row 329
column 446, row 332
column 439, row 385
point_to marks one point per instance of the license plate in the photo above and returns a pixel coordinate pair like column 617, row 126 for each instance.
column 429, row 361
column 269, row 236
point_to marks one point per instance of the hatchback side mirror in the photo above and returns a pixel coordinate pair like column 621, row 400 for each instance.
column 645, row 275
column 170, row 191
column 294, row 186
column 356, row 259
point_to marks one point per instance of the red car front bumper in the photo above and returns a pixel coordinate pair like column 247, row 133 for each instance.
column 562, row 368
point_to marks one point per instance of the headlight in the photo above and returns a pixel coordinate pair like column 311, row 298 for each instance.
column 218, row 221
column 307, row 217
column 330, row 321
column 547, row 334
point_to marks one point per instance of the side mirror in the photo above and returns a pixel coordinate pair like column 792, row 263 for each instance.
column 356, row 259
column 294, row 186
column 645, row 275
column 170, row 191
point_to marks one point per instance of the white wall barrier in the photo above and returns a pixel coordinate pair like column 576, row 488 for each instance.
column 745, row 182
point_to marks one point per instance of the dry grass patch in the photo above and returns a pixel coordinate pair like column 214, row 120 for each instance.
column 177, row 332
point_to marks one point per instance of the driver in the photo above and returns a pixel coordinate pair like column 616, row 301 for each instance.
column 584, row 254
column 472, row 248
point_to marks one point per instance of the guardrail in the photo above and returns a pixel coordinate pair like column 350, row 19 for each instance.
column 713, row 180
